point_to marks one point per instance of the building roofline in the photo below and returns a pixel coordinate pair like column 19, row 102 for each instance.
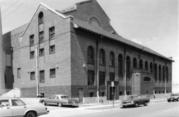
column 49, row 8
column 119, row 38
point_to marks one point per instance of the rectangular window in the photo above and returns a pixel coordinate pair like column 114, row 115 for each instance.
column 52, row 73
column 42, row 76
column 101, row 78
column 41, row 36
column 18, row 73
column 32, row 75
column 31, row 40
column 111, row 76
column 41, row 52
column 32, row 54
column 52, row 49
column 51, row 33
column 91, row 78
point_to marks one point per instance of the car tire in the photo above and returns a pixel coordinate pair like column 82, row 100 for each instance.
column 145, row 104
column 59, row 104
column 31, row 114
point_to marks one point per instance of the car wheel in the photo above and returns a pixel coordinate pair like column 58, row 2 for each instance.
column 31, row 114
column 59, row 104
column 145, row 104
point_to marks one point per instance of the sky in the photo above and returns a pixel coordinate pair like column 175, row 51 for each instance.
column 152, row 23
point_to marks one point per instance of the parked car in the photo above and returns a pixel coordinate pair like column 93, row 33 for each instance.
column 173, row 97
column 135, row 101
column 15, row 107
column 60, row 100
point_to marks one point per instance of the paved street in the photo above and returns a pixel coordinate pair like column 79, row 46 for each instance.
column 161, row 109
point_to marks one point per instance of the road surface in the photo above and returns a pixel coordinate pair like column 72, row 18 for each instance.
column 161, row 109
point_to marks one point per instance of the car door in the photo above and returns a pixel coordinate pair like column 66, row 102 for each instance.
column 18, row 107
column 5, row 110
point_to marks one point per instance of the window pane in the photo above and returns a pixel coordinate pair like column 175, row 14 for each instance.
column 51, row 33
column 42, row 76
column 32, row 75
column 52, row 73
column 90, row 77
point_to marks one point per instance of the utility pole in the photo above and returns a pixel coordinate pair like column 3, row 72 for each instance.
column 125, row 79
column 97, row 69
column 37, row 69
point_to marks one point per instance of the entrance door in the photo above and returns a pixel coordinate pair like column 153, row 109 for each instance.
column 80, row 94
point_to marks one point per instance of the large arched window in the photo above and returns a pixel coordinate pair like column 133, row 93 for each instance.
column 141, row 64
column 112, row 59
column 134, row 63
column 120, row 65
column 41, row 18
column 151, row 67
column 159, row 73
column 90, row 55
column 102, row 58
column 128, row 67
column 146, row 65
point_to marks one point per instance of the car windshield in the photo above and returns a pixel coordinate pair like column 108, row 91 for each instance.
column 64, row 97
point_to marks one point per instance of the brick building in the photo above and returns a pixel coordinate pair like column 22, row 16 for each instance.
column 77, row 52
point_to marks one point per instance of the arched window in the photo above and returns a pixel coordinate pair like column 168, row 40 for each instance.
column 112, row 59
column 159, row 73
column 102, row 59
column 128, row 67
column 155, row 74
column 164, row 75
column 90, row 55
column 146, row 65
column 41, row 18
column 141, row 64
column 134, row 63
column 151, row 67
column 120, row 65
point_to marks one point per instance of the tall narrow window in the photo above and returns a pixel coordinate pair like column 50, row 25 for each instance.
column 32, row 75
column 146, row 65
column 141, row 64
column 51, row 33
column 163, row 74
column 112, row 59
column 112, row 76
column 151, row 67
column 52, row 73
column 18, row 73
column 128, row 67
column 90, row 55
column 41, row 52
column 41, row 18
column 52, row 49
column 102, row 59
column 155, row 74
column 167, row 76
column 31, row 40
column 101, row 78
column 42, row 76
column 159, row 73
column 32, row 54
column 134, row 63
column 41, row 36
column 91, row 78
column 120, row 65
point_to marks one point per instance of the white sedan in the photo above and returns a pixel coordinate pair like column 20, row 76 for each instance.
column 15, row 107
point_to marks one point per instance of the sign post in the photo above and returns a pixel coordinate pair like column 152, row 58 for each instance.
column 112, row 85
